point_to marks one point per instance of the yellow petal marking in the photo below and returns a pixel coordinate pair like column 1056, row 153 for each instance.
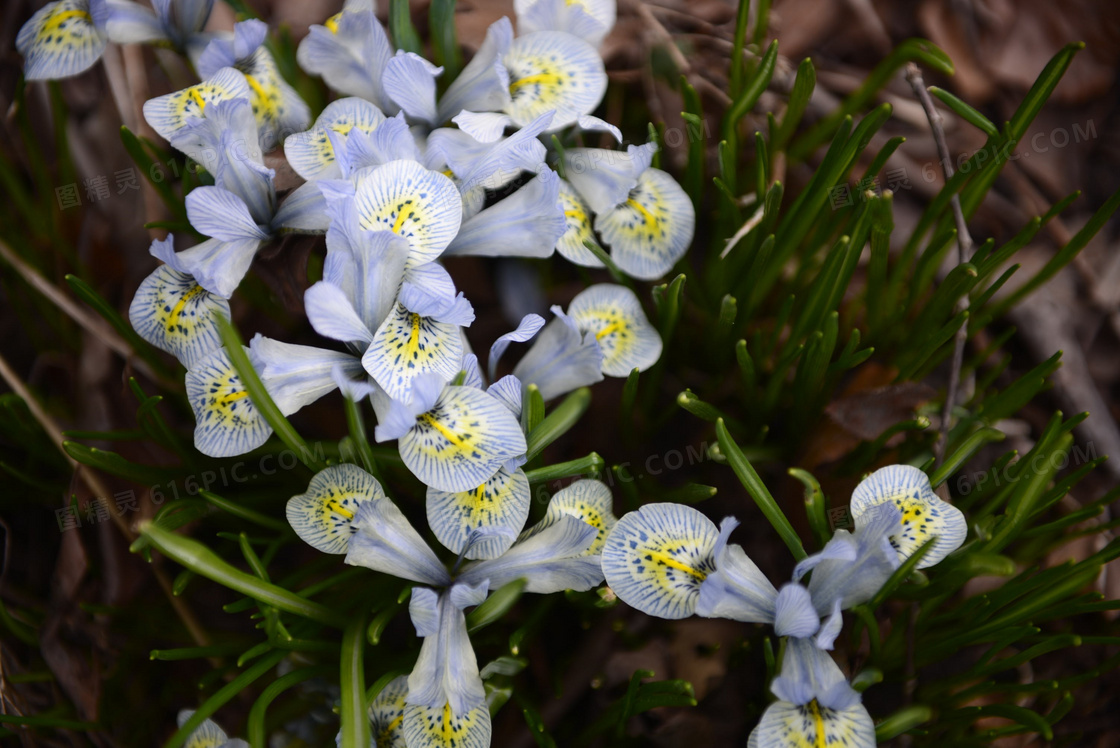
column 548, row 79
column 666, row 560
column 818, row 721
column 650, row 219
column 177, row 310
column 337, row 508
column 54, row 20
column 447, row 433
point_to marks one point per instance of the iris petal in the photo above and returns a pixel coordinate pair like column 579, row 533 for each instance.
column 553, row 70
column 421, row 205
column 502, row 501
column 407, row 345
column 462, row 440
column 169, row 113
column 440, row 727
column 652, row 229
column 227, row 422
column 311, row 153
column 60, row 40
column 323, row 515
column 174, row 313
column 614, row 315
column 924, row 514
column 656, row 558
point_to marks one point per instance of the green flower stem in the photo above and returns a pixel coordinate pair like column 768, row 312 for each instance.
column 204, row 562
column 355, row 723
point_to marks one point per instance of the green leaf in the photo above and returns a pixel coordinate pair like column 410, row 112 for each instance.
column 815, row 506
column 964, row 453
column 495, row 606
column 255, row 730
column 401, row 29
column 758, row 491
column 967, row 113
column 903, row 720
column 557, row 423
column 590, row 465
column 533, row 412
column 667, row 299
column 537, row 728
column 204, row 562
column 445, row 46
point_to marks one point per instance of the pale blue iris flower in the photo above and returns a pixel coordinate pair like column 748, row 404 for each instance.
column 277, row 107
column 177, row 24
column 816, row 705
column 444, row 690
column 239, row 211
column 561, row 359
column 642, row 214
column 63, row 38
column 453, row 438
column 670, row 561
column 590, row 20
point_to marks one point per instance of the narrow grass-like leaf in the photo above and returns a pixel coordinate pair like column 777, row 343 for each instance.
column 352, row 704
column 557, row 423
column 497, row 605
column 964, row 111
column 758, row 491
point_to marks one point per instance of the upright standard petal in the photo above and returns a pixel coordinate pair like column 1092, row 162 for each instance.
column 60, row 40
column 485, row 127
column 529, row 326
column 561, row 359
column 323, row 516
column 656, row 558
column 572, row 244
column 421, row 205
column 587, row 500
column 385, row 541
column 174, row 313
column 528, row 223
column 502, row 501
column 736, row 589
column 924, row 514
column 332, row 315
column 614, row 315
column 410, row 81
column 604, row 178
column 446, row 672
column 652, row 229
column 219, row 266
column 169, row 113
column 312, row 154
column 483, row 85
column 552, row 560
column 852, row 567
column 129, row 22
column 227, row 422
column 553, row 70
column 407, row 345
column 817, row 706
column 462, row 440
column 349, row 54
column 219, row 213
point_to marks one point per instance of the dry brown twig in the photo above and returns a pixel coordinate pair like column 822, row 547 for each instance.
column 964, row 252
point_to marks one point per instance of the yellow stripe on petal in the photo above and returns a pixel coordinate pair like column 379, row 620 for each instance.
column 440, row 727
column 386, row 714
column 924, row 514
column 169, row 113
column 786, row 725
column 587, row 500
column 552, row 70
column 227, row 422
column 577, row 218
column 407, row 345
column 276, row 105
column 172, row 312
column 656, row 558
column 502, row 501
column 322, row 515
column 614, row 315
column 60, row 40
column 652, row 229
column 311, row 153
column 421, row 205
column 462, row 441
